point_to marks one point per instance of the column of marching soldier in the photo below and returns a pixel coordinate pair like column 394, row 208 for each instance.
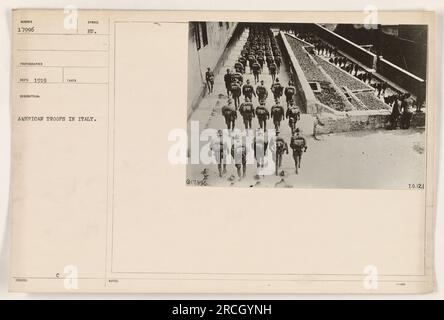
column 260, row 48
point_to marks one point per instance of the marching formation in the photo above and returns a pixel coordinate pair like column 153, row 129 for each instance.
column 260, row 57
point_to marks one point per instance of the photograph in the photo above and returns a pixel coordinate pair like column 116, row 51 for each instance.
column 306, row 105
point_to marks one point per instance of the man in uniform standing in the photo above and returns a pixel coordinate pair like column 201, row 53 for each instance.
column 236, row 92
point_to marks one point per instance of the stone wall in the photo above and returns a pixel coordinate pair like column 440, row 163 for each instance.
column 356, row 121
column 305, row 96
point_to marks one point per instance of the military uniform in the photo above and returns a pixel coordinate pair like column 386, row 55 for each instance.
column 262, row 116
column 277, row 113
column 261, row 92
column 230, row 115
column 247, row 112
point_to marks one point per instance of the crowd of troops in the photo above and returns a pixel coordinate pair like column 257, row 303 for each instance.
column 235, row 146
column 260, row 52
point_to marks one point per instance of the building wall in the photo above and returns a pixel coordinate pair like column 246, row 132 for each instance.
column 205, row 51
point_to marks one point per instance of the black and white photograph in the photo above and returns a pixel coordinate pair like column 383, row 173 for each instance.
column 306, row 105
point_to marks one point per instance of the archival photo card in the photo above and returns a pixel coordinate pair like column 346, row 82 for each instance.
column 135, row 135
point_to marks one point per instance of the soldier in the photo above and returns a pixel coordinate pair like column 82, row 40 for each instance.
column 289, row 93
column 256, row 69
column 260, row 144
column 220, row 150
column 239, row 154
column 229, row 114
column 278, row 147
column 262, row 115
column 277, row 113
column 277, row 89
column 209, row 77
column 236, row 92
column 261, row 92
column 261, row 60
column 248, row 90
column 247, row 112
column 299, row 145
column 278, row 61
column 293, row 115
column 228, row 79
column 272, row 68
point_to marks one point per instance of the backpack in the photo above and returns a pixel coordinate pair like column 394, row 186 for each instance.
column 289, row 91
column 248, row 89
column 297, row 143
column 294, row 111
column 261, row 112
column 228, row 111
column 277, row 88
column 277, row 111
column 261, row 90
column 247, row 109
